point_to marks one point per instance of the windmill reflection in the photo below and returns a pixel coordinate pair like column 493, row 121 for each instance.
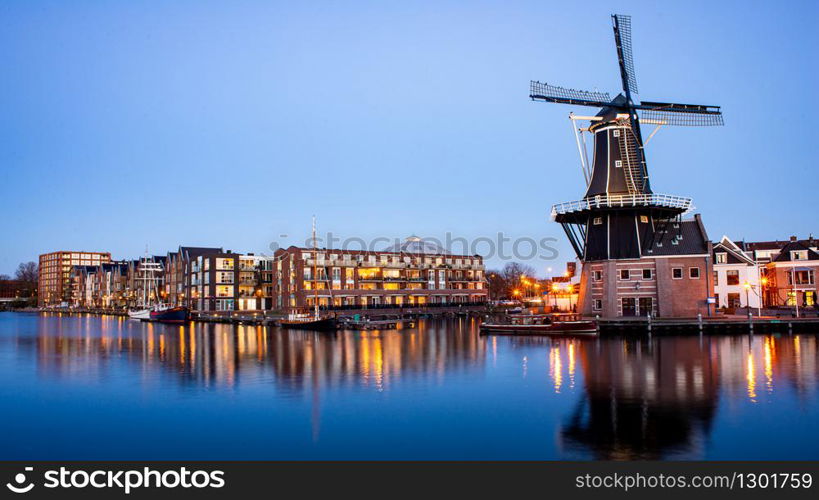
column 644, row 399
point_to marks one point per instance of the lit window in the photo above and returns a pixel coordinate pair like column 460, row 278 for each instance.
column 598, row 221
column 616, row 133
column 644, row 219
column 722, row 258
column 618, row 163
column 597, row 304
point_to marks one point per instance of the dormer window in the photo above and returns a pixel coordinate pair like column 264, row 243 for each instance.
column 722, row 258
column 799, row 255
column 618, row 163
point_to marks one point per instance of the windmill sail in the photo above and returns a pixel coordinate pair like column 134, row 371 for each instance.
column 691, row 115
column 622, row 39
column 544, row 92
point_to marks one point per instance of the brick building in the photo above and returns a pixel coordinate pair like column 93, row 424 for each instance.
column 54, row 281
column 791, row 274
column 674, row 280
column 399, row 276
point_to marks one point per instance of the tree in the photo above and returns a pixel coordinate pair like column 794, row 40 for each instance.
column 4, row 277
column 503, row 283
column 27, row 271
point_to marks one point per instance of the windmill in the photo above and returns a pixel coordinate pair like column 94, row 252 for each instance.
column 619, row 217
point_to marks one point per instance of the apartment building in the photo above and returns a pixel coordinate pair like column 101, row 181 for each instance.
column 213, row 280
column 54, row 281
column 398, row 276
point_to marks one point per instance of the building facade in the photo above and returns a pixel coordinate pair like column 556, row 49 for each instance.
column 737, row 276
column 348, row 279
column 54, row 281
column 673, row 279
column 213, row 280
column 791, row 275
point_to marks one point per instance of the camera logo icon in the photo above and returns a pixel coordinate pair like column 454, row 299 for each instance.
column 20, row 479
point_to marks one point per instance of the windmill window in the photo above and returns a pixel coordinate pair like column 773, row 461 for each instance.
column 644, row 219
column 676, row 273
column 618, row 163
column 694, row 273
column 617, row 134
column 598, row 221
column 598, row 275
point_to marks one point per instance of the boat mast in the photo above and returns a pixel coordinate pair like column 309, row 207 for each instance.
column 315, row 275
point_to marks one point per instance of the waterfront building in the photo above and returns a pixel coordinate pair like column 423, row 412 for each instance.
column 791, row 274
column 54, row 282
column 413, row 273
column 737, row 276
column 209, row 279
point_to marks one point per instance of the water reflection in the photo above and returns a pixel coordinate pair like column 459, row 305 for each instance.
column 653, row 399
column 219, row 355
column 617, row 398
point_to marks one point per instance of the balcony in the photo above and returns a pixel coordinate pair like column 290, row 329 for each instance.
column 623, row 201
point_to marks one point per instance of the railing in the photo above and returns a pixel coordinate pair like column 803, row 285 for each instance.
column 407, row 305
column 623, row 200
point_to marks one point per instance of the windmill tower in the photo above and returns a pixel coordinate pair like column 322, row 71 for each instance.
column 621, row 225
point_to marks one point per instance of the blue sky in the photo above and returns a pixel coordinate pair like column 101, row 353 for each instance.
column 126, row 124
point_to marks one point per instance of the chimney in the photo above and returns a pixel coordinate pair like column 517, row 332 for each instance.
column 793, row 238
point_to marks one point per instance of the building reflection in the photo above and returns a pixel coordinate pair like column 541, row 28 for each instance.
column 643, row 399
column 221, row 355
column 657, row 398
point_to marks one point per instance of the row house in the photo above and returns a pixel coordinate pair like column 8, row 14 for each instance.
column 737, row 276
column 791, row 274
column 398, row 276
column 766, row 273
column 100, row 286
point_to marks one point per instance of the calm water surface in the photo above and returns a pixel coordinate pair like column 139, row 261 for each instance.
column 109, row 388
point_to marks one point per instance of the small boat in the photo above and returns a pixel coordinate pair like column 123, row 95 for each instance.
column 542, row 324
column 179, row 314
column 139, row 313
column 309, row 322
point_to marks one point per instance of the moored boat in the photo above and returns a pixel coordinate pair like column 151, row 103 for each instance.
column 178, row 314
column 542, row 324
column 139, row 313
column 309, row 323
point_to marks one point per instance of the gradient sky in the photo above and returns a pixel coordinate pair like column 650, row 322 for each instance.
column 126, row 124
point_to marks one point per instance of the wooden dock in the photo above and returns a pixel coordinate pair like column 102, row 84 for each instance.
column 707, row 326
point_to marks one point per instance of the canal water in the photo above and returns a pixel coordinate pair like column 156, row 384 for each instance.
column 88, row 387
